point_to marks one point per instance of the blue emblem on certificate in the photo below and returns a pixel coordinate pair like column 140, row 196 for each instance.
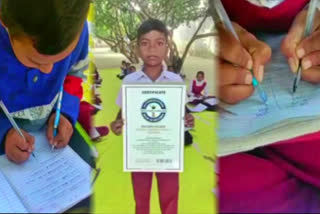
column 153, row 110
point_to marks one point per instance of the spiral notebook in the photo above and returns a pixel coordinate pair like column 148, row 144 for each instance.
column 251, row 123
column 50, row 182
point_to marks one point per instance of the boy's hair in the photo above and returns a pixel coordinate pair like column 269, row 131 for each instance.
column 200, row 72
column 150, row 25
column 123, row 62
column 52, row 25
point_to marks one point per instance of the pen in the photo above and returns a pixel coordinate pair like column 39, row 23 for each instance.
column 223, row 16
column 57, row 118
column 13, row 123
column 307, row 31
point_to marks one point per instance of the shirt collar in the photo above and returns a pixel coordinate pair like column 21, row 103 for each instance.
column 200, row 82
column 266, row 3
column 141, row 74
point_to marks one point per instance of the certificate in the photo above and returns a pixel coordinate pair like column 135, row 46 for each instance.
column 153, row 127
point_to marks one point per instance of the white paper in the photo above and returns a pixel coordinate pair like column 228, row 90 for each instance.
column 53, row 181
column 198, row 108
column 211, row 101
column 9, row 201
column 153, row 146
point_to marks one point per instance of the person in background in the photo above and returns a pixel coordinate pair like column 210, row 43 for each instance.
column 123, row 69
column 198, row 89
column 132, row 69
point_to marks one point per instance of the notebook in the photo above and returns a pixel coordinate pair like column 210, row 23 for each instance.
column 252, row 124
column 52, row 182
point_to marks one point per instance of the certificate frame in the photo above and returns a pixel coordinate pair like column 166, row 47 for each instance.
column 135, row 98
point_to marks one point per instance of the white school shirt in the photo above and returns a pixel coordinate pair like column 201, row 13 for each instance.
column 141, row 77
column 266, row 3
column 271, row 3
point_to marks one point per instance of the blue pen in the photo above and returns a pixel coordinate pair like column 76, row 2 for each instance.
column 13, row 123
column 307, row 31
column 226, row 21
column 58, row 113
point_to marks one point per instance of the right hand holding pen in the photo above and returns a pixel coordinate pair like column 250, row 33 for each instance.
column 235, row 82
column 116, row 126
column 16, row 148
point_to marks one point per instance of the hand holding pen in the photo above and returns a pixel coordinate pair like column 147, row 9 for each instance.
column 237, row 58
column 301, row 46
column 64, row 132
column 60, row 129
column 242, row 60
column 18, row 143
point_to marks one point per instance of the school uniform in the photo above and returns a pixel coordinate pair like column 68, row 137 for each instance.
column 168, row 183
column 31, row 95
column 197, row 90
column 279, row 178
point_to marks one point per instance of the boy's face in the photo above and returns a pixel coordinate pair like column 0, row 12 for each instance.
column 153, row 48
column 200, row 77
column 26, row 53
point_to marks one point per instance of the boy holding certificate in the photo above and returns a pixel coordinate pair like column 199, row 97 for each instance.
column 41, row 43
column 152, row 48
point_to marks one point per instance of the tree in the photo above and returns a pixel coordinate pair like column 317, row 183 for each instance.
column 117, row 22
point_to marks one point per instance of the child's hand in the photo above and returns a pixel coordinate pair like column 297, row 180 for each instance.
column 116, row 126
column 65, row 131
column 296, row 47
column 235, row 83
column 17, row 149
column 189, row 120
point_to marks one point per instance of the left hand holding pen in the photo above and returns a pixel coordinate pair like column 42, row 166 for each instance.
column 295, row 47
column 65, row 131
column 189, row 120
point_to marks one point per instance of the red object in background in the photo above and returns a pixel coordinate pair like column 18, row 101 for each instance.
column 255, row 18
column 85, row 116
column 73, row 85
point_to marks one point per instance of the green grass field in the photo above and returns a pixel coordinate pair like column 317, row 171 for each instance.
column 113, row 190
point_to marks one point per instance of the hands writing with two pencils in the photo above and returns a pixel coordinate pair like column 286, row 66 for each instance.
column 19, row 150
column 250, row 53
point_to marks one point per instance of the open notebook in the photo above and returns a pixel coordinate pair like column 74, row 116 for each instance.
column 52, row 182
column 253, row 124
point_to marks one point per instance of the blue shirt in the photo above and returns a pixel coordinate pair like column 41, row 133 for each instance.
column 31, row 95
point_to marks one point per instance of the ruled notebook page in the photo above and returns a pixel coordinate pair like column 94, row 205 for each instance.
column 53, row 181
column 9, row 201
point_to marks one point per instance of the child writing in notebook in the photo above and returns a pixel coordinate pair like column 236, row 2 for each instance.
column 283, row 177
column 41, row 42
column 152, row 48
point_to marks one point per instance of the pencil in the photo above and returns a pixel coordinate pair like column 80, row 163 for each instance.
column 13, row 123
